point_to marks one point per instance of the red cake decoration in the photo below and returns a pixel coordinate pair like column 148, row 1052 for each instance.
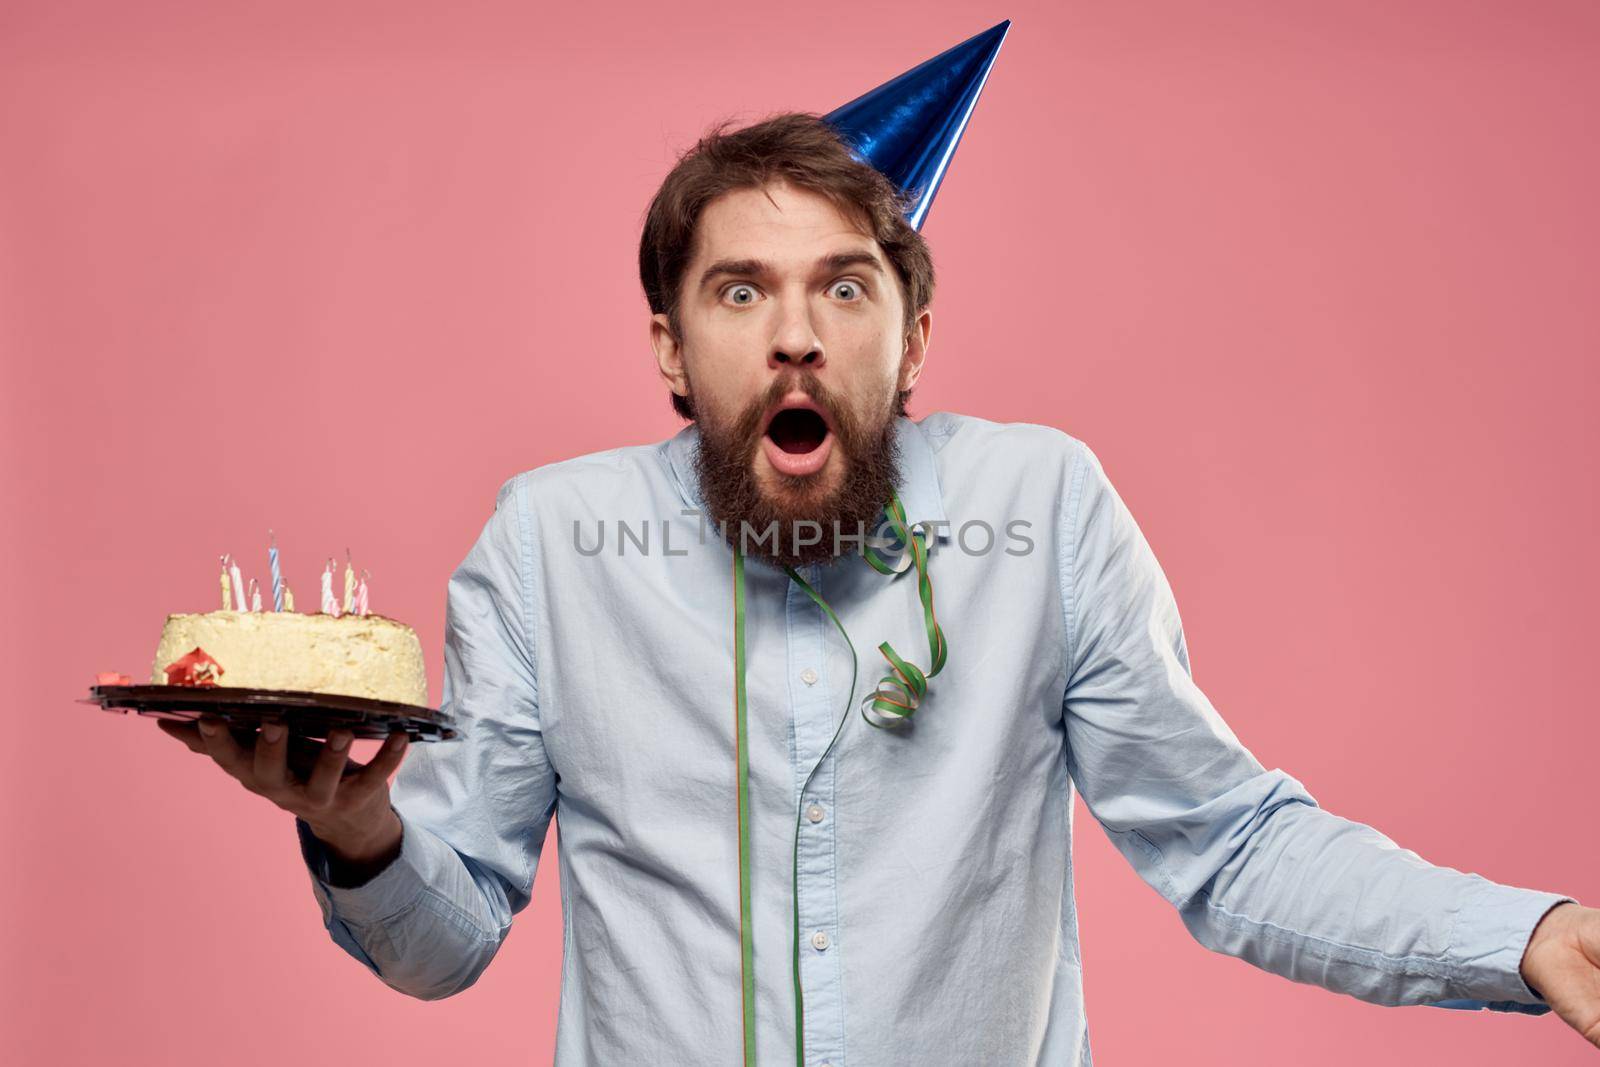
column 196, row 668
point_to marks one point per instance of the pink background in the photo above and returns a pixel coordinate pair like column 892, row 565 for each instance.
column 1315, row 280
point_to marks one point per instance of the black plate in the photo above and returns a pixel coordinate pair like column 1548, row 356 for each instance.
column 309, row 715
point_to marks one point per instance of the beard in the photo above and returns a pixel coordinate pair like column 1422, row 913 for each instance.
column 777, row 527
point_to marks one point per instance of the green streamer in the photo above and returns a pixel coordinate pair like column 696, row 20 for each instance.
column 747, row 947
column 898, row 695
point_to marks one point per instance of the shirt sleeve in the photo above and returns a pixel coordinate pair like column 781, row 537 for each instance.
column 474, row 811
column 1255, row 868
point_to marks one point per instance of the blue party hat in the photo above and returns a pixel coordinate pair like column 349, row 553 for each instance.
column 908, row 128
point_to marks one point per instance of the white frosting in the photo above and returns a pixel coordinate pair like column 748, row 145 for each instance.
column 353, row 655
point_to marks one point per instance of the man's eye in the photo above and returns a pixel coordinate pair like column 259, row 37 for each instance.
column 847, row 291
column 741, row 294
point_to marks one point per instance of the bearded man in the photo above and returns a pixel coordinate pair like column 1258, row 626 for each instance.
column 749, row 869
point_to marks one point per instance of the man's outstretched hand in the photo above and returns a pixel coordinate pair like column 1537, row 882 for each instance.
column 1562, row 965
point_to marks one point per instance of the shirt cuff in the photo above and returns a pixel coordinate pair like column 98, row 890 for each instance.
column 387, row 893
column 1491, row 933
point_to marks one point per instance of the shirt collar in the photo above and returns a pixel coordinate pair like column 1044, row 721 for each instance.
column 918, row 488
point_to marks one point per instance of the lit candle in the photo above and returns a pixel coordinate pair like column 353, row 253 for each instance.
column 330, row 606
column 349, row 583
column 288, row 597
column 225, row 592
column 277, row 577
column 255, row 596
column 238, row 585
column 361, row 594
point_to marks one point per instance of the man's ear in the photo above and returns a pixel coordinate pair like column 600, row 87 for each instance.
column 669, row 355
column 916, row 349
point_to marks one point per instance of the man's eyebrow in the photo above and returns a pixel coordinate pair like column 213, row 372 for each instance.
column 841, row 260
column 755, row 268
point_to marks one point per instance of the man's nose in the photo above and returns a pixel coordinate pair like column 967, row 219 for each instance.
column 796, row 341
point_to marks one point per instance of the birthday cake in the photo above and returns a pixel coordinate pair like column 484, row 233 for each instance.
column 359, row 655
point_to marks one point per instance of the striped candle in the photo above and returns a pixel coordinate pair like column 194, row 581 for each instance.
column 349, row 583
column 330, row 606
column 277, row 576
column 225, row 591
column 361, row 594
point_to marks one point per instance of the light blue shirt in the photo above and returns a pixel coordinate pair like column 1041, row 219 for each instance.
column 593, row 674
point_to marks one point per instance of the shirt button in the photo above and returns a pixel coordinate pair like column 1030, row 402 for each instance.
column 808, row 676
column 819, row 941
column 814, row 813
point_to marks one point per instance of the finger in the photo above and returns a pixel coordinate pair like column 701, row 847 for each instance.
column 329, row 768
column 270, row 764
column 385, row 760
column 183, row 732
column 221, row 746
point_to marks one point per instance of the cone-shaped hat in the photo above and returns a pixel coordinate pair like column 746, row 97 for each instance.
column 908, row 128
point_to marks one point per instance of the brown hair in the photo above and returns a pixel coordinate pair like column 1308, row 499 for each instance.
column 802, row 149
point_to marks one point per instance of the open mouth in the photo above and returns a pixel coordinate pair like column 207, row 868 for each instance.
column 799, row 437
column 797, row 430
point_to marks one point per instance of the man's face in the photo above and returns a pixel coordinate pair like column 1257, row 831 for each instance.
column 792, row 352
